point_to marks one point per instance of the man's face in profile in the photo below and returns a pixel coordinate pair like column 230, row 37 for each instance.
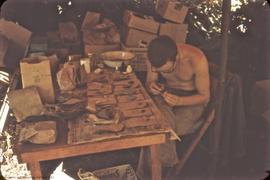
column 168, row 67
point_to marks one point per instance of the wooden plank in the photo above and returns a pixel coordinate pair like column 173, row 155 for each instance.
column 225, row 25
column 63, row 150
column 34, row 167
column 89, row 148
column 156, row 165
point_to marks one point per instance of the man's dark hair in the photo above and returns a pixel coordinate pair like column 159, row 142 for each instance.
column 160, row 50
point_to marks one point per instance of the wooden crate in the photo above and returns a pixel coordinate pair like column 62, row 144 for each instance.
column 132, row 37
column 172, row 10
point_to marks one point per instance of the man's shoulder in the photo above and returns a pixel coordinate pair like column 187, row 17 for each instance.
column 184, row 45
column 193, row 53
column 190, row 49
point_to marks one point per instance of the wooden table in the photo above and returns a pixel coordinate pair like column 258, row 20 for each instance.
column 34, row 154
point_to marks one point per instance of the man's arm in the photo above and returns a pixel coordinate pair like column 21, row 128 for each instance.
column 202, row 85
column 152, row 77
column 151, row 80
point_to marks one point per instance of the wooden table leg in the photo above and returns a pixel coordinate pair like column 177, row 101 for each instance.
column 156, row 165
column 35, row 169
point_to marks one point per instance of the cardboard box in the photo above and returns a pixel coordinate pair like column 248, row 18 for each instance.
column 25, row 102
column 172, row 10
column 100, row 48
column 102, row 34
column 94, row 38
column 141, row 22
column 139, row 63
column 177, row 32
column 37, row 72
column 90, row 20
column 133, row 37
column 16, row 33
column 18, row 40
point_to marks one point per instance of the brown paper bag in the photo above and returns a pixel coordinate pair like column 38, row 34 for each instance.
column 67, row 77
column 37, row 72
column 68, row 32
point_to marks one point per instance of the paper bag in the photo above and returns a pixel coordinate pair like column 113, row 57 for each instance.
column 25, row 103
column 37, row 72
column 67, row 77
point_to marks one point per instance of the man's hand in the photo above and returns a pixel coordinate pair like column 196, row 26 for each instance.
column 172, row 100
column 156, row 89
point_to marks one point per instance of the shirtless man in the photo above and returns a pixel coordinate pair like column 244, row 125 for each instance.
column 185, row 71
column 185, row 91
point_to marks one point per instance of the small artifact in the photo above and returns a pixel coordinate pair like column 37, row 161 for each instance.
column 130, row 98
column 43, row 132
column 99, row 92
column 128, row 70
column 137, row 112
column 106, row 113
column 103, row 100
column 124, row 82
column 98, row 121
column 112, row 128
column 98, row 86
column 125, row 91
column 98, row 71
column 73, row 101
column 91, row 106
column 133, row 105
column 140, row 122
column 86, row 175
column 117, row 76
column 101, row 78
